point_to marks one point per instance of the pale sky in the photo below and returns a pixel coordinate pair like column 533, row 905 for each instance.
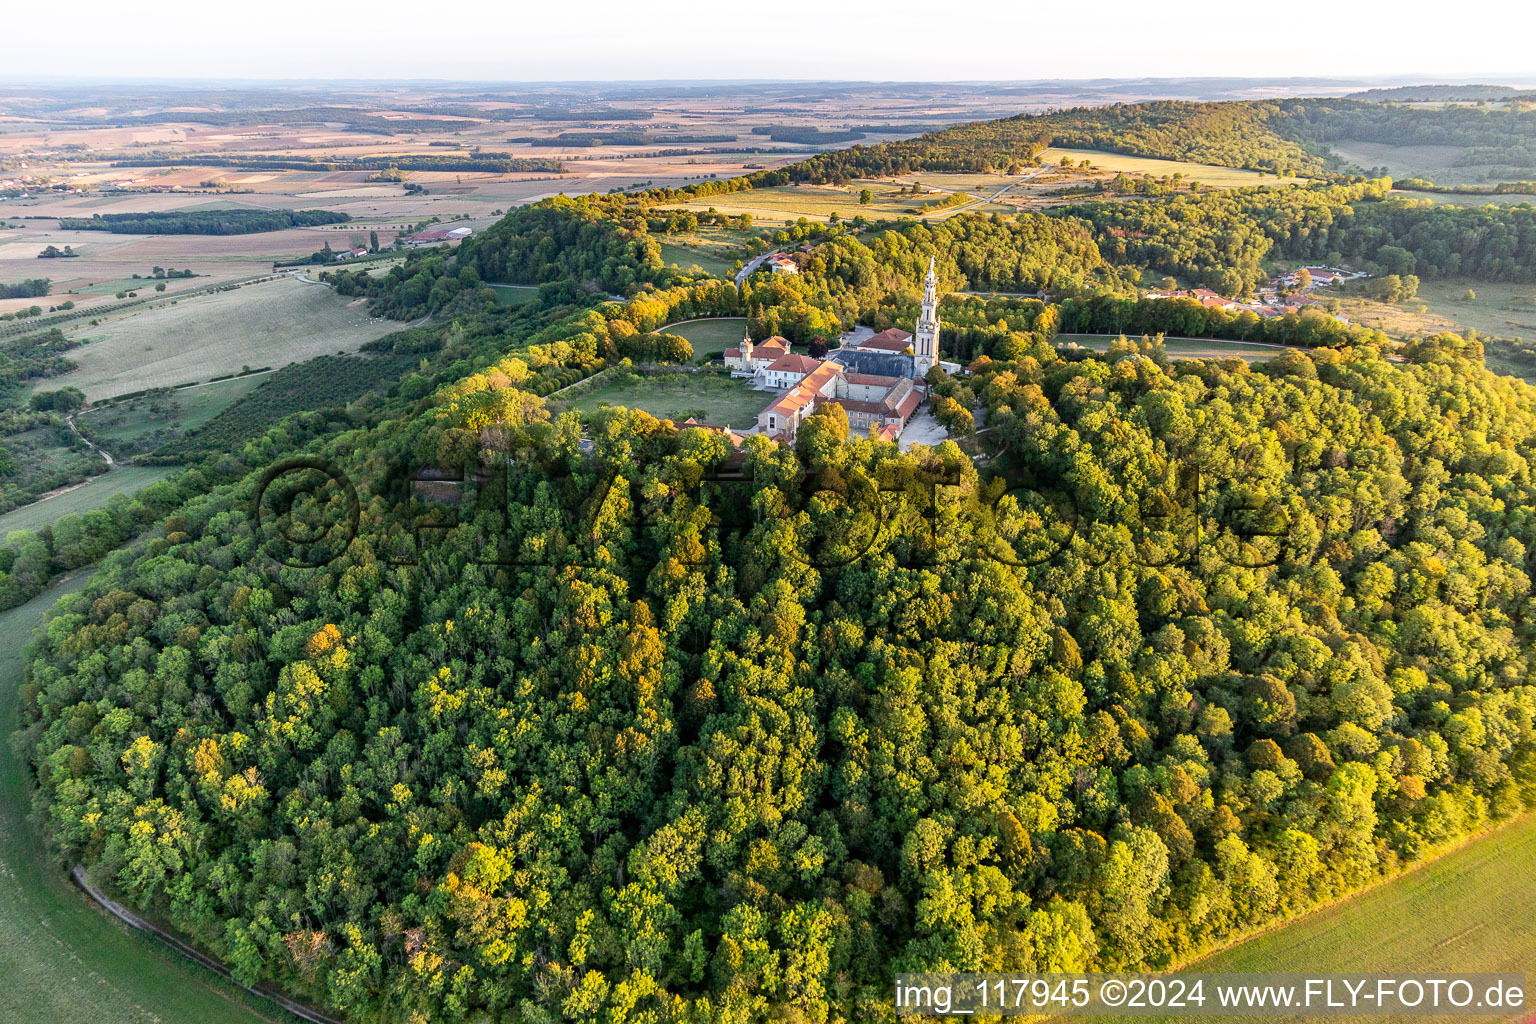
column 898, row 40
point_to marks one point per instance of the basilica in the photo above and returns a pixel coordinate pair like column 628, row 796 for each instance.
column 879, row 381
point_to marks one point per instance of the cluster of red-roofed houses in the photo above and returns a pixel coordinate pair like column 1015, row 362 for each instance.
column 1272, row 299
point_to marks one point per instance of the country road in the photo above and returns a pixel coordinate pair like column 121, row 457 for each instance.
column 753, row 264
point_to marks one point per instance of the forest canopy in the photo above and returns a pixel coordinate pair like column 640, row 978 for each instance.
column 529, row 715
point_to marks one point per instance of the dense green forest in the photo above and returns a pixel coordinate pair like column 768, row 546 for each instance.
column 202, row 222
column 1280, row 136
column 1226, row 134
column 441, row 705
column 629, row 742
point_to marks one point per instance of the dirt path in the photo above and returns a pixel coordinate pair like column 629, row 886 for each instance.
column 986, row 199
column 133, row 920
column 70, row 419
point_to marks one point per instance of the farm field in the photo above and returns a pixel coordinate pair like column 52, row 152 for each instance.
column 1205, row 174
column 1453, row 914
column 707, row 397
column 92, row 494
column 513, row 294
column 710, row 337
column 64, row 960
column 269, row 324
column 1186, row 348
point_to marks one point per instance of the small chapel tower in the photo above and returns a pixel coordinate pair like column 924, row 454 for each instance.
column 746, row 345
column 925, row 339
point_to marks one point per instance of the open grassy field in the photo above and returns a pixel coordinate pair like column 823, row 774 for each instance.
column 1473, row 199
column 1501, row 309
column 514, row 294
column 712, row 248
column 707, row 397
column 63, row 960
column 140, row 424
column 683, row 255
column 92, row 494
column 1458, row 913
column 772, row 206
column 1185, row 348
column 1205, row 174
column 710, row 337
column 269, row 324
column 1437, row 163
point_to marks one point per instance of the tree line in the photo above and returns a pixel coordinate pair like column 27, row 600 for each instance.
column 202, row 222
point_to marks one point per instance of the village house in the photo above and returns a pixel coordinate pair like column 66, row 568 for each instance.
column 730, row 435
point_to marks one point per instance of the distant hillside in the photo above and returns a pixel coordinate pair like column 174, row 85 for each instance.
column 1435, row 94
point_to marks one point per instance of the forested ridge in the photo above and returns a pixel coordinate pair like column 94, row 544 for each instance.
column 652, row 730
column 1288, row 136
column 243, row 221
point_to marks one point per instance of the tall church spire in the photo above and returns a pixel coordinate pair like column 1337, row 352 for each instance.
column 925, row 338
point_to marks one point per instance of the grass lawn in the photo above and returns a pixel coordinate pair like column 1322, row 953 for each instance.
column 711, row 337
column 720, row 400
column 981, row 184
column 1456, row 914
column 1205, row 174
column 1181, row 348
column 63, row 960
column 92, row 494
column 514, row 294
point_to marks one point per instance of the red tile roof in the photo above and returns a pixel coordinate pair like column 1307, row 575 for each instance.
column 793, row 364
column 806, row 392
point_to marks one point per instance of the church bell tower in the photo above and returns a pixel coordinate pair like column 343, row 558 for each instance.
column 925, row 339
